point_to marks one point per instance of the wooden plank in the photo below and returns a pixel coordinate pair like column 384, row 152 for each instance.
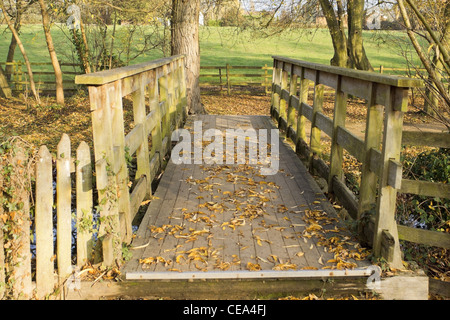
column 267, row 274
column 18, row 221
column 429, row 139
column 363, row 75
column 387, row 196
column 133, row 139
column 372, row 140
column 276, row 89
column 109, row 212
column 336, row 153
column 284, row 97
column 84, row 204
column 426, row 237
column 315, row 135
column 350, row 142
column 63, row 207
column 291, row 116
column 44, row 224
column 115, row 103
column 324, row 123
column 138, row 195
column 425, row 188
column 107, row 76
column 142, row 152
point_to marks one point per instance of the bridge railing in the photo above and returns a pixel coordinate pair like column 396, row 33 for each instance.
column 158, row 92
column 386, row 99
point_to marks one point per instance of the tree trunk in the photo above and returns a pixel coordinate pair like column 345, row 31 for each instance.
column 185, row 40
column 13, row 42
column 347, row 52
column 335, row 27
column 22, row 50
column 51, row 51
column 4, row 86
column 357, row 55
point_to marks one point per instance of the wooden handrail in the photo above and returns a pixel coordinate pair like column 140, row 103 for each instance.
column 107, row 76
column 386, row 99
column 161, row 83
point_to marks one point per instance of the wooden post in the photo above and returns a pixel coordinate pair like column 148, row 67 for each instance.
column 336, row 155
column 291, row 119
column 183, row 90
column 44, row 224
column 153, row 89
column 266, row 77
column 220, row 80
column 108, row 233
column 171, row 96
column 64, row 210
column 164, row 97
column 316, row 146
column 142, row 153
column 283, row 102
column 396, row 104
column 374, row 125
column 276, row 81
column 19, row 266
column 102, row 122
column 118, row 162
column 84, row 204
column 301, row 119
column 228, row 79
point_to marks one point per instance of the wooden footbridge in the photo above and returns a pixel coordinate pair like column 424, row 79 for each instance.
column 228, row 223
column 229, row 229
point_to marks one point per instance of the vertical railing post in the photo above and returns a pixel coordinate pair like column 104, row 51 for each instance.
column 315, row 145
column 385, row 223
column 283, row 102
column 102, row 123
column 153, row 89
column 120, row 167
column 228, row 80
column 336, row 154
column 291, row 119
column 374, row 123
column 142, row 153
column 301, row 119
column 276, row 80
column 165, row 100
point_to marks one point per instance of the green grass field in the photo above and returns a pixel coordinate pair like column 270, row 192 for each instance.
column 222, row 45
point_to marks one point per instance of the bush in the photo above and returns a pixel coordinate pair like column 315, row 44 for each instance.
column 427, row 212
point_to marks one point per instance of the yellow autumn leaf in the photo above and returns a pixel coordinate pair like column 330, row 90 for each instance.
column 253, row 266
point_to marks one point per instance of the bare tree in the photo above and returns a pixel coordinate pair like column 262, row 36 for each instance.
column 22, row 50
column 52, row 52
column 435, row 58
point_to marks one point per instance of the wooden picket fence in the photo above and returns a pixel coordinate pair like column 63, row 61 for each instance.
column 99, row 194
column 381, row 175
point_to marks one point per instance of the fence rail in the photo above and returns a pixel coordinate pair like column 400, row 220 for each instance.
column 229, row 76
column 99, row 193
column 386, row 101
column 44, row 77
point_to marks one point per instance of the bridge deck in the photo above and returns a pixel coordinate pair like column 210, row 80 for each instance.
column 217, row 218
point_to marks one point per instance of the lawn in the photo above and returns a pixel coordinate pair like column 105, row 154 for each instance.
column 222, row 45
